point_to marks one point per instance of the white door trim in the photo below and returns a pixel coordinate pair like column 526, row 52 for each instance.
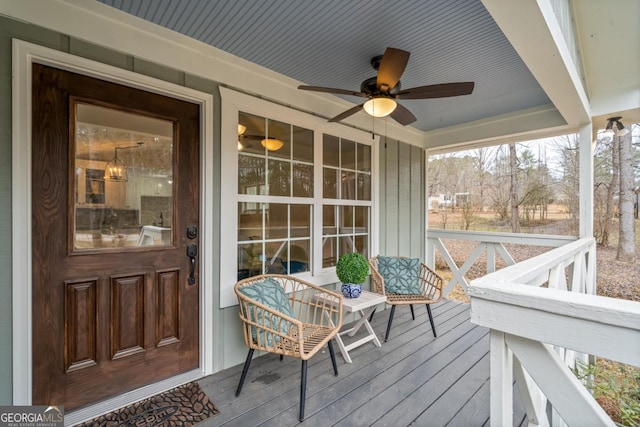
column 24, row 54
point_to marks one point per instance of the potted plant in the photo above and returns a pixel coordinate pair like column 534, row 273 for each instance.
column 352, row 270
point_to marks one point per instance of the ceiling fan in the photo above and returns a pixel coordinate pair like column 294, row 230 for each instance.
column 384, row 89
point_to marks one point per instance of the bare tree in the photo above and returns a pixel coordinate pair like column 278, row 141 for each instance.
column 482, row 165
column 611, row 189
column 626, row 237
column 499, row 184
column 513, row 189
column 566, row 169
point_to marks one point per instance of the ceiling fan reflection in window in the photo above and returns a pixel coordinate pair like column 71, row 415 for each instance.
column 270, row 143
column 383, row 89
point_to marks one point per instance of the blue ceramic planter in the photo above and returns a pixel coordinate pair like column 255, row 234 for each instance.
column 350, row 290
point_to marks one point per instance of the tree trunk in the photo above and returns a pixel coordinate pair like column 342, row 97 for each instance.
column 626, row 239
column 513, row 190
column 611, row 189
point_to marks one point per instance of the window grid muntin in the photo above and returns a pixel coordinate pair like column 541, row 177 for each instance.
column 344, row 173
column 357, row 167
column 258, row 262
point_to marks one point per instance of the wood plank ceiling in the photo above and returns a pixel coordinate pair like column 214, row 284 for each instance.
column 330, row 43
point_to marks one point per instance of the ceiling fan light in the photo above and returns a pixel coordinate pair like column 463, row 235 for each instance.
column 380, row 106
column 608, row 131
column 272, row 144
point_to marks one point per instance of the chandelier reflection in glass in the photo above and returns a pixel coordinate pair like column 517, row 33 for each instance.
column 116, row 170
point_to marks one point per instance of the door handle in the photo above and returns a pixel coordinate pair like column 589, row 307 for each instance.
column 192, row 252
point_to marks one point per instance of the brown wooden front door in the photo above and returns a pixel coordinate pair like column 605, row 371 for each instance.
column 115, row 189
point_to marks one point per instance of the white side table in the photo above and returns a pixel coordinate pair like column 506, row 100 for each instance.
column 364, row 304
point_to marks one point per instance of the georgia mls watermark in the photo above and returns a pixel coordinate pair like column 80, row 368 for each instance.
column 31, row 416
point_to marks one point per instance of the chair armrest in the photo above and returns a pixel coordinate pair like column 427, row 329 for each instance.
column 377, row 281
column 431, row 283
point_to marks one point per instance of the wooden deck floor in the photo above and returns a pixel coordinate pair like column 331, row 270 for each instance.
column 412, row 380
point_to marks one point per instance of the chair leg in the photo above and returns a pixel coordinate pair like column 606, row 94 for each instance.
column 372, row 313
column 393, row 310
column 281, row 357
column 433, row 326
column 333, row 357
column 413, row 315
column 244, row 371
column 303, row 388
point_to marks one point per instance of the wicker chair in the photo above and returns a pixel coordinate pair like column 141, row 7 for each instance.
column 298, row 330
column 430, row 284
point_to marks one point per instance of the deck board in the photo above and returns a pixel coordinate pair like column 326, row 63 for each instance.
column 413, row 379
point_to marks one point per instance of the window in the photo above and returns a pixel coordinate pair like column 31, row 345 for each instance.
column 297, row 192
column 346, row 176
column 274, row 159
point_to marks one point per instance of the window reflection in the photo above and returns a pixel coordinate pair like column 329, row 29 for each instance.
column 273, row 238
column 346, row 176
column 123, row 179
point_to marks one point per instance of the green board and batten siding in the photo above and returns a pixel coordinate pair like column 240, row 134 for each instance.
column 401, row 198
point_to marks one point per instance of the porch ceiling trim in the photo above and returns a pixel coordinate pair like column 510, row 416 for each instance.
column 534, row 32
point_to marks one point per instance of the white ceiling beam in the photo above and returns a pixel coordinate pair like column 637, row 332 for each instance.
column 534, row 32
column 524, row 125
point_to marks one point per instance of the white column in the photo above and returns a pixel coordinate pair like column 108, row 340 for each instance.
column 586, row 180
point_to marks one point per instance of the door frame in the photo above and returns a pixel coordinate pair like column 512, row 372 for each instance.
column 23, row 56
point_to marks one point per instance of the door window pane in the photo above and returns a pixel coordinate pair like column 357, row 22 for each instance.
column 123, row 179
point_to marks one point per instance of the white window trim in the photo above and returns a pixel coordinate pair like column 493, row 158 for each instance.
column 234, row 102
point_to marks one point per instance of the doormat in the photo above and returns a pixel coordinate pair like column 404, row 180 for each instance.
column 182, row 406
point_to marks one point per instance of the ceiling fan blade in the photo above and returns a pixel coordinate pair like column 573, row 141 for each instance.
column 402, row 115
column 333, row 90
column 347, row 113
column 437, row 91
column 392, row 65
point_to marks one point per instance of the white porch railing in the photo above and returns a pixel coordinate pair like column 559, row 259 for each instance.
column 531, row 325
column 491, row 244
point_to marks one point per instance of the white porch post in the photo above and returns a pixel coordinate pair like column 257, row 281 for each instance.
column 586, row 181
column 429, row 249
column 501, row 366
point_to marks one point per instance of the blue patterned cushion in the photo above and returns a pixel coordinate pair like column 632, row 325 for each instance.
column 400, row 275
column 269, row 293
